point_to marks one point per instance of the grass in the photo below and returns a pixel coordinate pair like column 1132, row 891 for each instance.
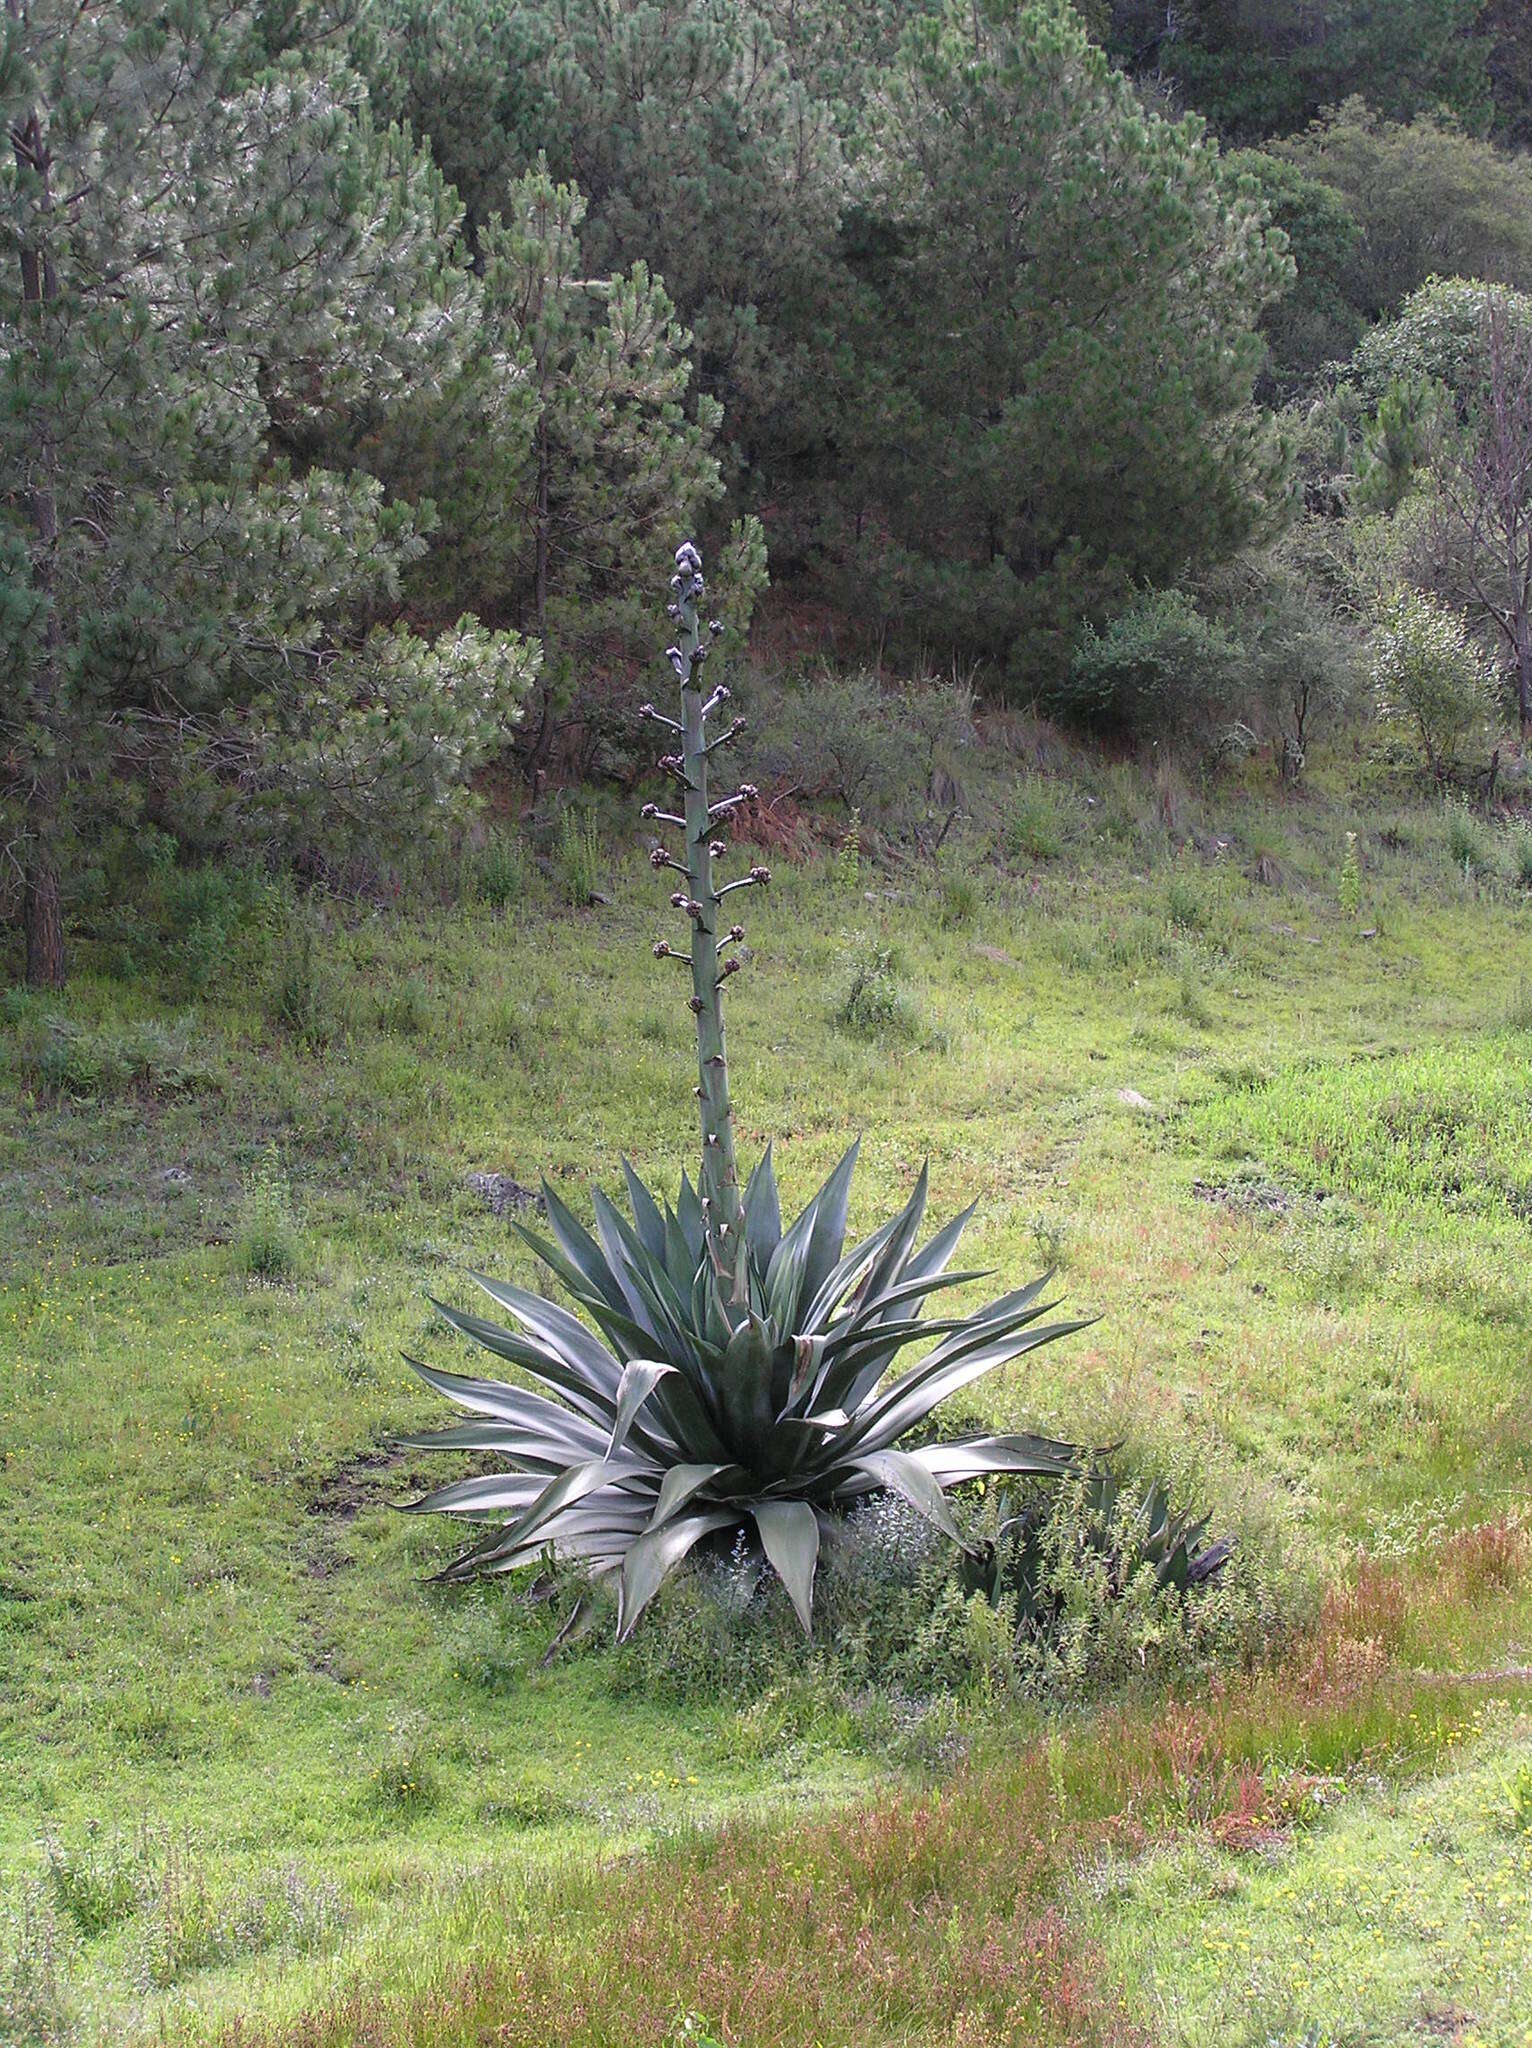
column 219, row 1658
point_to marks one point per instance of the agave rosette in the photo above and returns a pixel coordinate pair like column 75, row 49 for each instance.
column 698, row 1400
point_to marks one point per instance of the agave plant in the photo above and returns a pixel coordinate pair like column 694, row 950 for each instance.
column 730, row 1375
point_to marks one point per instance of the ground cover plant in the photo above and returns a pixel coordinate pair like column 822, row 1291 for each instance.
column 1320, row 1344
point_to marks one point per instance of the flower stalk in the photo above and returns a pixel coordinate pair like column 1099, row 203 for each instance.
column 700, row 901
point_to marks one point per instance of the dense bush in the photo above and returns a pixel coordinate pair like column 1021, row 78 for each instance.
column 1431, row 678
column 1161, row 667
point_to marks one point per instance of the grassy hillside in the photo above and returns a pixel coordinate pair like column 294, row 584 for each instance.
column 1275, row 1130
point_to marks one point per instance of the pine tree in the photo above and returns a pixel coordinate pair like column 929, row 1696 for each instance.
column 571, row 449
column 215, row 266
column 1066, row 290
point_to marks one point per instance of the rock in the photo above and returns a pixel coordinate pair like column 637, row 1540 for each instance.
column 1131, row 1098
column 501, row 1195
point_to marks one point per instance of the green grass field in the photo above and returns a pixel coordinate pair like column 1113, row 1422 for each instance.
column 265, row 1785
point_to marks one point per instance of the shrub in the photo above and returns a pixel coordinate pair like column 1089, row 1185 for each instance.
column 1065, row 1589
column 1430, row 677
column 1302, row 667
column 874, row 1003
column 1160, row 668
column 852, row 738
column 1469, row 846
column 1037, row 821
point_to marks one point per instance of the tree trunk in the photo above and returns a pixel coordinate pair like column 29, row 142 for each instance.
column 42, row 920
column 41, row 903
column 1524, row 669
column 537, row 756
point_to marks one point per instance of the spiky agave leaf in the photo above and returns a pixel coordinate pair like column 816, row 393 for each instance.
column 764, row 1398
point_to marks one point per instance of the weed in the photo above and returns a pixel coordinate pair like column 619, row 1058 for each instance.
column 500, row 873
column 404, row 1010
column 1521, row 856
column 1050, row 1237
column 1349, row 887
column 1190, row 1001
column 298, row 992
column 847, row 865
column 1186, row 903
column 97, row 1885
column 958, row 898
column 267, row 1247
column 1518, row 1800
column 403, row 1781
column 578, row 863
column 35, row 2008
column 188, row 1927
column 874, row 1003
column 65, row 1060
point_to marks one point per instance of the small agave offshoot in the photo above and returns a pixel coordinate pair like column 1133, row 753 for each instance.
column 729, row 1375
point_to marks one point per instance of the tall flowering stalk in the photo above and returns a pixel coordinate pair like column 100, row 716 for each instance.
column 747, row 1378
column 701, row 821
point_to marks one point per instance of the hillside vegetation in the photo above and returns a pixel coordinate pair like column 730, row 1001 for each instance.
column 262, row 1766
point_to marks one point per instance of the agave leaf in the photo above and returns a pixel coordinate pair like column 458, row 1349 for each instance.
column 581, row 1250
column 541, row 1361
column 745, row 1388
column 496, row 1493
column 763, row 1210
column 935, row 1256
column 679, row 1486
column 873, row 1309
column 627, row 1338
column 525, row 1454
column 808, row 1360
column 821, row 1310
column 570, row 1487
column 1036, row 1457
column 790, row 1538
column 689, row 1217
column 907, row 1476
column 828, row 1240
column 653, row 1556
column 557, row 1328
column 647, row 1220
column 911, row 1399
column 620, row 1248
column 639, row 1379
column 889, row 1264
column 784, row 1278
column 511, row 1404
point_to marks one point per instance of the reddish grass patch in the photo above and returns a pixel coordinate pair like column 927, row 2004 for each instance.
column 936, row 1916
